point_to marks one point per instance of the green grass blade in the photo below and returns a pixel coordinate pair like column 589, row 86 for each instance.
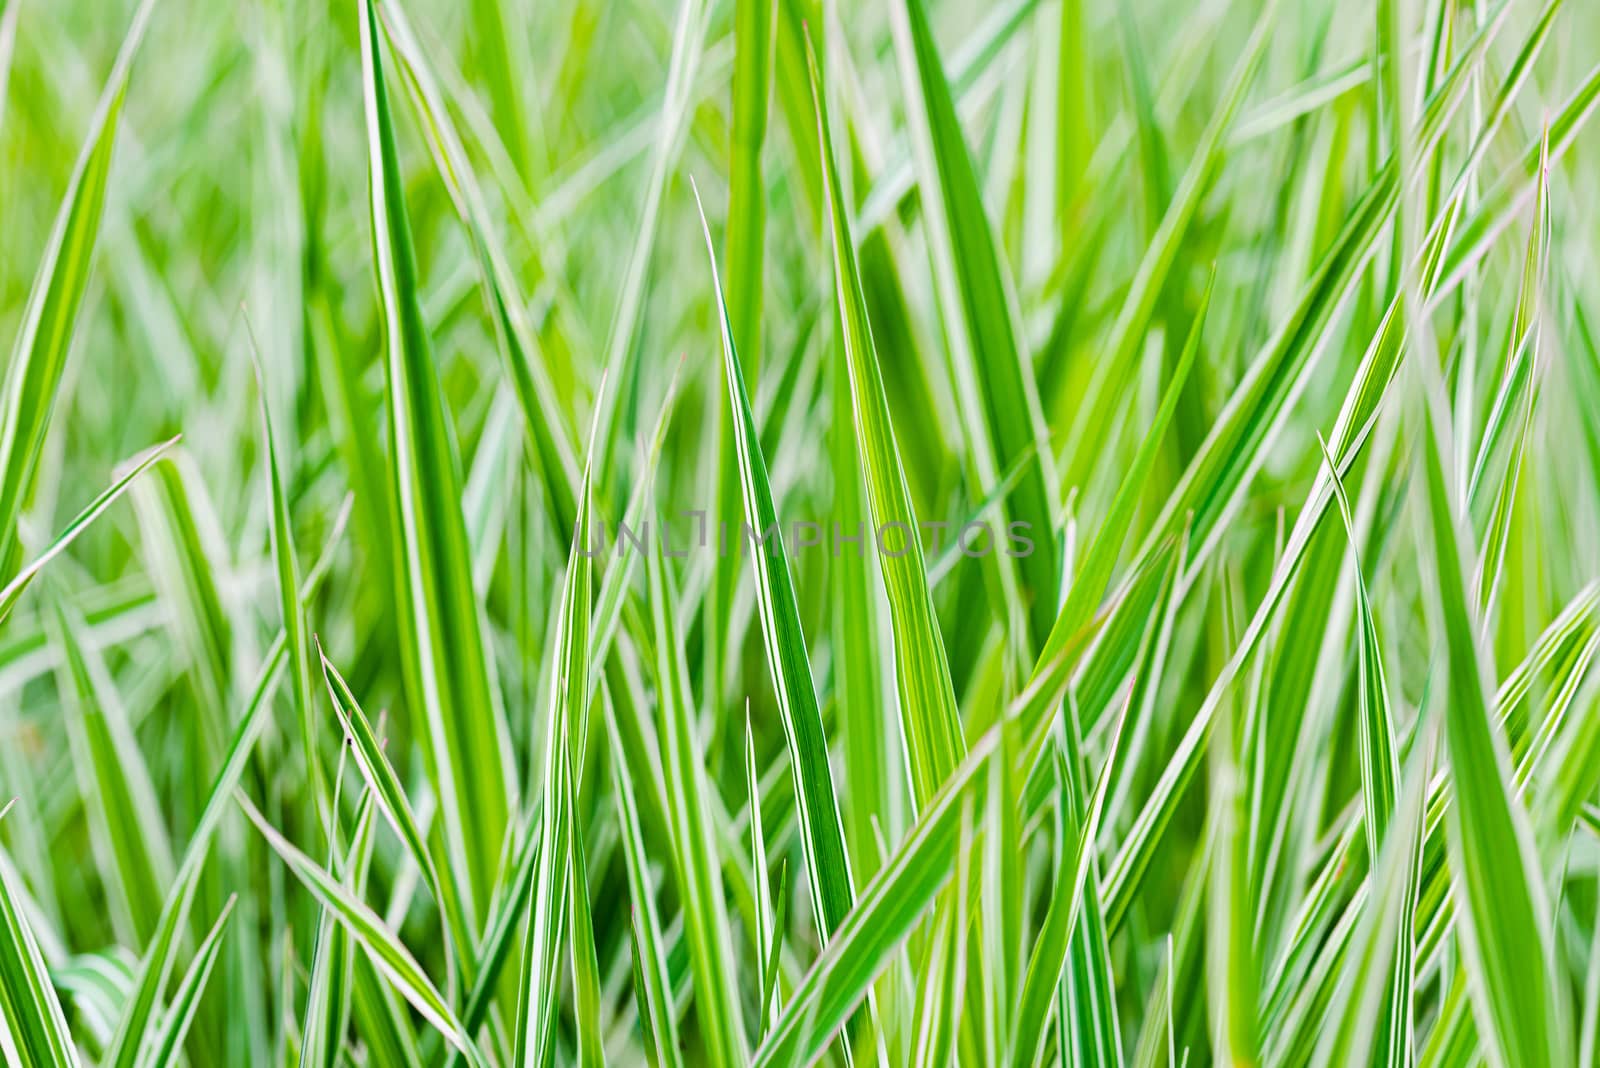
column 134, row 468
column 822, row 833
column 180, row 1014
column 368, row 928
column 390, row 796
column 657, row 1013
column 585, row 969
column 447, row 665
column 124, row 816
column 1066, row 903
column 929, row 716
column 39, row 355
column 292, row 612
column 884, row 915
column 35, row 1033
column 1519, row 1004
column 995, row 385
column 568, row 709
column 706, row 922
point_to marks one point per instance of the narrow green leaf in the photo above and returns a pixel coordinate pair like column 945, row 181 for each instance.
column 822, row 833
column 35, row 1032
column 368, row 928
column 446, row 661
column 135, row 467
column 39, row 355
column 930, row 719
column 180, row 1014
column 993, row 377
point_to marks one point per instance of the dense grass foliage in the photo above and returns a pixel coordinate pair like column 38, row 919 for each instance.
column 764, row 532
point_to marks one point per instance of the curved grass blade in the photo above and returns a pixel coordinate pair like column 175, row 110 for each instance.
column 447, row 663
column 658, row 1014
column 1380, row 766
column 930, row 718
column 368, row 928
column 180, row 1014
column 585, row 968
column 993, row 377
column 889, row 907
column 706, row 923
column 1506, row 927
column 39, row 356
column 568, row 705
column 292, row 611
column 125, row 820
column 391, row 798
column 1066, row 903
column 19, row 583
column 1376, row 1024
column 822, row 833
column 766, row 934
column 34, row 1034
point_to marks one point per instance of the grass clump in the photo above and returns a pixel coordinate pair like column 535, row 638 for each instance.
column 766, row 532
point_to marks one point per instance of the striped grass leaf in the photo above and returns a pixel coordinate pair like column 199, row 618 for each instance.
column 856, row 611
column 767, row 935
column 328, row 991
column 1517, row 1001
column 585, row 968
column 447, row 664
column 566, row 717
column 385, row 950
column 35, row 1033
column 885, row 913
column 549, row 436
column 930, row 719
column 1071, row 876
column 291, row 610
column 125, row 819
column 1374, row 1026
column 1380, row 764
column 1087, row 991
column 188, row 561
column 706, row 923
column 180, row 1014
column 822, row 833
column 999, row 399
column 1116, row 368
column 132, row 469
column 1380, row 776
column 390, row 798
column 658, row 1015
column 134, row 1027
column 940, row 1030
column 44, row 339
